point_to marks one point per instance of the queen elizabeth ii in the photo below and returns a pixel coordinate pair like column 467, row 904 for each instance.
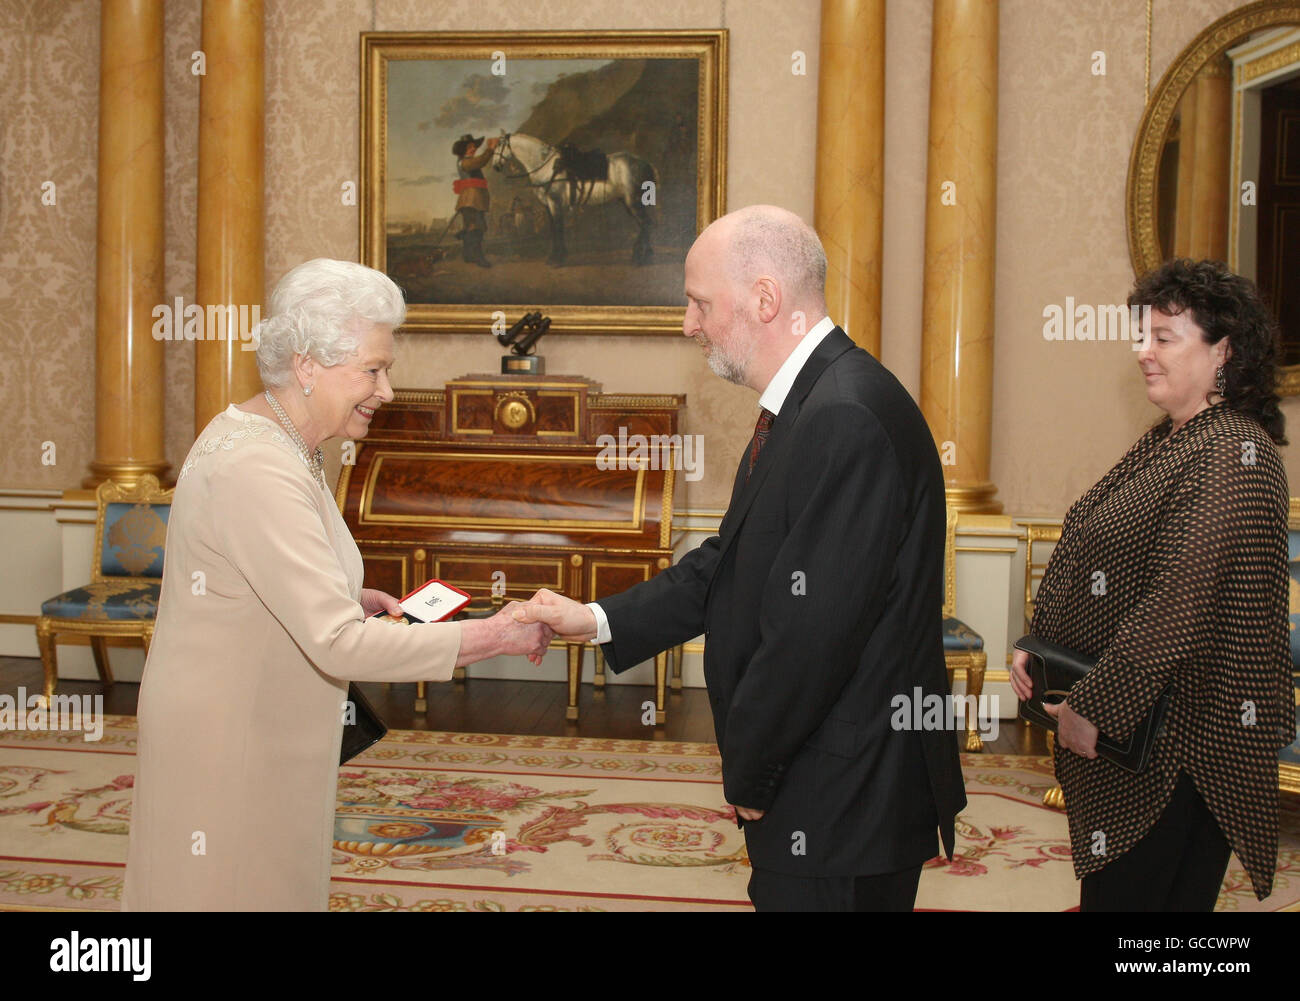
column 263, row 619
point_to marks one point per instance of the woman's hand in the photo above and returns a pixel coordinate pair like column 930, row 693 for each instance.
column 1020, row 683
column 1073, row 732
column 517, row 637
column 502, row 634
column 373, row 601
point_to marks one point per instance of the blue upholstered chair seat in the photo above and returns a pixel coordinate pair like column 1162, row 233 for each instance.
column 959, row 637
column 1291, row 755
column 105, row 599
column 126, row 566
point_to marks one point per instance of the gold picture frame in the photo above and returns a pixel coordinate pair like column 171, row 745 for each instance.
column 656, row 99
column 1142, row 207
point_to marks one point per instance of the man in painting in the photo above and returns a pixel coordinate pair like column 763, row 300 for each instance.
column 473, row 200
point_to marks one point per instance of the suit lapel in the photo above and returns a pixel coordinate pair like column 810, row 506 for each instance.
column 832, row 346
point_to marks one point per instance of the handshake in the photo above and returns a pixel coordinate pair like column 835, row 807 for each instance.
column 527, row 628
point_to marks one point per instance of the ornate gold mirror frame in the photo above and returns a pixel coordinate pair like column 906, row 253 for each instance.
column 1153, row 133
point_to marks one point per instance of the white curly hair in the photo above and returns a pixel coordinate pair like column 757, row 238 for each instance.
column 320, row 309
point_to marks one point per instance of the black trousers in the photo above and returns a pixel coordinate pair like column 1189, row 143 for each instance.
column 1177, row 866
column 776, row 891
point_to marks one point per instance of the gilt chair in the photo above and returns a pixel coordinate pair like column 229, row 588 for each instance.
column 963, row 647
column 1038, row 535
column 125, row 578
column 1289, row 757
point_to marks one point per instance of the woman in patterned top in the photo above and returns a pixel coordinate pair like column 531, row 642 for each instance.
column 1172, row 571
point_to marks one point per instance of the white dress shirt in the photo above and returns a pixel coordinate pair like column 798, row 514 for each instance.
column 772, row 398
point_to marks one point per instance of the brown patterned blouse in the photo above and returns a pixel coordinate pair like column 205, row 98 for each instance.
column 1172, row 570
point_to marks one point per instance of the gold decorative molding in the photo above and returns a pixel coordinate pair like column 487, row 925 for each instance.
column 514, row 410
column 975, row 498
column 1153, row 131
column 424, row 396
column 1257, row 68
column 377, row 49
column 619, row 401
column 1146, row 79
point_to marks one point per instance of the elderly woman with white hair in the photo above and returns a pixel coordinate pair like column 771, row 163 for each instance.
column 263, row 620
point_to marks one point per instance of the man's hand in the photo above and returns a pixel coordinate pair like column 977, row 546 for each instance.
column 570, row 619
column 747, row 814
column 373, row 601
column 1073, row 732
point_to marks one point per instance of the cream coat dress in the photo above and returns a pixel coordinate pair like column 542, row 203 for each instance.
column 241, row 703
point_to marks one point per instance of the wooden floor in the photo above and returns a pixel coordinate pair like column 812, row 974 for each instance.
column 533, row 708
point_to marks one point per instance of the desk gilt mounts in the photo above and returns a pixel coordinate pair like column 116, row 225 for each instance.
column 493, row 484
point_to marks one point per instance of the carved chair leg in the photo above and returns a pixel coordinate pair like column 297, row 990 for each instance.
column 1055, row 796
column 421, row 703
column 99, row 647
column 45, row 641
column 677, row 667
column 975, row 688
column 574, row 651
column 598, row 677
column 661, row 676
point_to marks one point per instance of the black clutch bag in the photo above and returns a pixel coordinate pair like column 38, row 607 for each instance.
column 1054, row 669
column 367, row 729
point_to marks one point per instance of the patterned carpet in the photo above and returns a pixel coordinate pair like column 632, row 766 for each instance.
column 479, row 822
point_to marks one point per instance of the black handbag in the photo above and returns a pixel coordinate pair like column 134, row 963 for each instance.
column 366, row 730
column 1054, row 669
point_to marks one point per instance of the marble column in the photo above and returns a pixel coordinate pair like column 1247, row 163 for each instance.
column 960, row 230
column 229, row 257
column 849, row 198
column 1208, row 229
column 129, row 245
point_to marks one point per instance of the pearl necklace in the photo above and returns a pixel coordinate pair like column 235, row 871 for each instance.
column 315, row 462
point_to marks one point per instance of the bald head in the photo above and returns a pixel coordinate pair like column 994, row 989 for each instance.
column 755, row 283
column 769, row 241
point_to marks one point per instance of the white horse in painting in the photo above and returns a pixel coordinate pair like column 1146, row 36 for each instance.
column 628, row 180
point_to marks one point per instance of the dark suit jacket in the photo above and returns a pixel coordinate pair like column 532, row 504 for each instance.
column 821, row 602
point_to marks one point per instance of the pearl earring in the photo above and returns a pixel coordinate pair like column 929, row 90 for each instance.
column 306, row 390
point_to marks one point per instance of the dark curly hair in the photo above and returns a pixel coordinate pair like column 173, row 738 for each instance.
column 1224, row 304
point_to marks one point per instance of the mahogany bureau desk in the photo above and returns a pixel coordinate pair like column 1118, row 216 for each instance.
column 495, row 484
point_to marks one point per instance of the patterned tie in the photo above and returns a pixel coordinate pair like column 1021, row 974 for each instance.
column 761, row 429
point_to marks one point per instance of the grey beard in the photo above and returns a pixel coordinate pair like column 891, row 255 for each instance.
column 724, row 367
column 728, row 367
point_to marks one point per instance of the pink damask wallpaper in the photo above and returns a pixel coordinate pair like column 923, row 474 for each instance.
column 1064, row 138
